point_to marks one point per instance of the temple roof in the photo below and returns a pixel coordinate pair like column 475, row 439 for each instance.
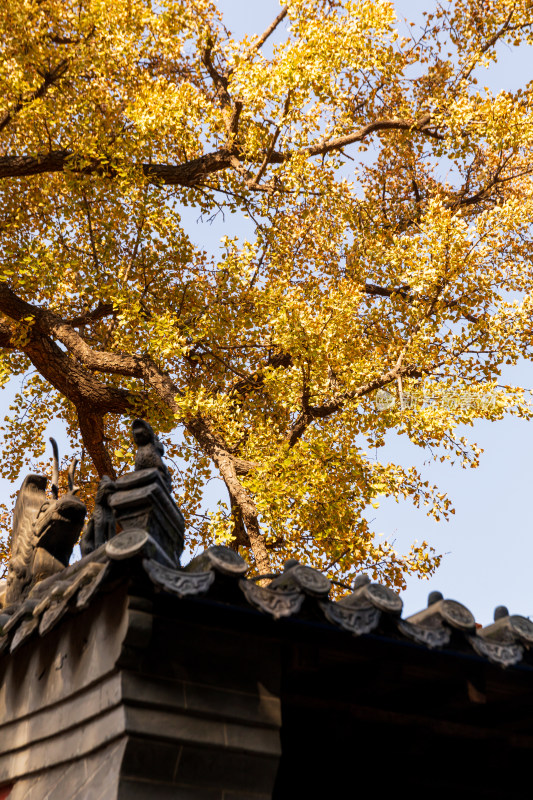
column 300, row 594
column 146, row 555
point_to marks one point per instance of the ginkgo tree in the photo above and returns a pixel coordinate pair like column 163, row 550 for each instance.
column 386, row 266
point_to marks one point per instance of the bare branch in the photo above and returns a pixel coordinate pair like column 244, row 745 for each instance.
column 397, row 124
column 269, row 31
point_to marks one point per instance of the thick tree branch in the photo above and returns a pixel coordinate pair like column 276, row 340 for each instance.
column 93, row 434
column 220, row 82
column 189, row 173
column 382, row 291
column 91, row 398
column 228, row 465
column 45, row 324
column 21, row 166
column 214, row 445
column 231, row 111
column 6, row 336
column 193, row 173
column 70, row 378
column 50, row 324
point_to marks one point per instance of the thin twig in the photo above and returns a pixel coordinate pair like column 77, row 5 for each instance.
column 335, row 560
column 268, row 154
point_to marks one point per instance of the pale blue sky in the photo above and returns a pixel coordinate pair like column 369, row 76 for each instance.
column 489, row 542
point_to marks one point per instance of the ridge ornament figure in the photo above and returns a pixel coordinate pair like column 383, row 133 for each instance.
column 144, row 507
column 149, row 450
column 44, row 531
column 101, row 526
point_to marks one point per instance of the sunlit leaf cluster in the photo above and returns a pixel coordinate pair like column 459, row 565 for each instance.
column 377, row 204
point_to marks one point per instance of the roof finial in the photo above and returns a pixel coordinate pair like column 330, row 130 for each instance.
column 54, row 488
column 434, row 597
column 500, row 612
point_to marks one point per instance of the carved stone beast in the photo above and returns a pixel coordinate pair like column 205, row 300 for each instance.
column 44, row 530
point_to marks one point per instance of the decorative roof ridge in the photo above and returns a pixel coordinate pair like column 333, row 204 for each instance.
column 297, row 593
column 149, row 546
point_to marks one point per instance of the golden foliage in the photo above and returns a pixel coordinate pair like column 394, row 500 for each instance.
column 388, row 200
